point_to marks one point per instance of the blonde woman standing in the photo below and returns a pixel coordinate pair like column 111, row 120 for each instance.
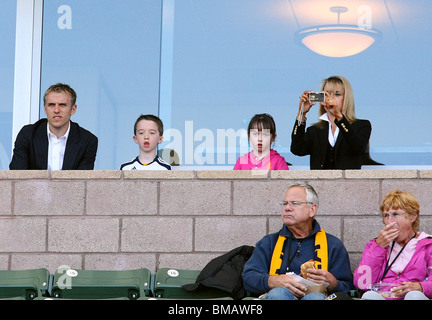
column 339, row 140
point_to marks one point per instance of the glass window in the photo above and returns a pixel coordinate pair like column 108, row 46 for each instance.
column 223, row 61
column 233, row 59
column 7, row 58
column 108, row 51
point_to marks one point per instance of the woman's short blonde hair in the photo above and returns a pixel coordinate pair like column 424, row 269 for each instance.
column 405, row 201
column 348, row 108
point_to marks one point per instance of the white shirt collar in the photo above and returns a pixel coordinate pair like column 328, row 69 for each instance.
column 331, row 138
column 52, row 135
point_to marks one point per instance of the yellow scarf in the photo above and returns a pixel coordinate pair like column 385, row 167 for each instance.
column 321, row 253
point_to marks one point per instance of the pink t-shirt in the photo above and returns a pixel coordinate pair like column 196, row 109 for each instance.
column 406, row 255
column 272, row 161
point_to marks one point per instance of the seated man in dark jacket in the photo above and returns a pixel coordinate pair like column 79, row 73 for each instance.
column 277, row 256
column 55, row 143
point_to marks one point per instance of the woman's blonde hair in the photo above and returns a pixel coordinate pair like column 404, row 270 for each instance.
column 405, row 201
column 348, row 108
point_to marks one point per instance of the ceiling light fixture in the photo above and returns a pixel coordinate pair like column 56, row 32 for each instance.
column 337, row 40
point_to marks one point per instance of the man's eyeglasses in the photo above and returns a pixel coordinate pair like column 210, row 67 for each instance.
column 293, row 204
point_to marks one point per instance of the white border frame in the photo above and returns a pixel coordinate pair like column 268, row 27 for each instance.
column 28, row 53
column 166, row 62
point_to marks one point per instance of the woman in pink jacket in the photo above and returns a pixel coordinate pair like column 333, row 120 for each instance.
column 400, row 256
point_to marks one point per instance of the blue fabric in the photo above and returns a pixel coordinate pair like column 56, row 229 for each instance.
column 284, row 294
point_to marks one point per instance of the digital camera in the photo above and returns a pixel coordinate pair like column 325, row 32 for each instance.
column 316, row 97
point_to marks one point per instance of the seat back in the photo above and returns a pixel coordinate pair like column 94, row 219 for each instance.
column 168, row 284
column 101, row 284
column 24, row 284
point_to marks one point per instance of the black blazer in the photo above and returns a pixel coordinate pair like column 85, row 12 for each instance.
column 31, row 148
column 350, row 147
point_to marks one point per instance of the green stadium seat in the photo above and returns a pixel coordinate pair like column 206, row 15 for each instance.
column 101, row 284
column 168, row 285
column 24, row 284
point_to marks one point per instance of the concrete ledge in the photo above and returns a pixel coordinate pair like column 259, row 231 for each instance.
column 426, row 174
column 112, row 219
column 232, row 174
column 381, row 174
column 158, row 174
column 86, row 174
column 216, row 174
column 24, row 174
column 307, row 174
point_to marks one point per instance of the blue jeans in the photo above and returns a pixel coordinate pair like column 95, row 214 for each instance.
column 280, row 293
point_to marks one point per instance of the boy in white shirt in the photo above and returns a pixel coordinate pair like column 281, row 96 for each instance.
column 148, row 130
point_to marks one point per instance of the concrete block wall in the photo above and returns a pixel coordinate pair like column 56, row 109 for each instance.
column 116, row 220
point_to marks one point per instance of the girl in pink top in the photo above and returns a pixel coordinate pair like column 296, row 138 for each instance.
column 261, row 133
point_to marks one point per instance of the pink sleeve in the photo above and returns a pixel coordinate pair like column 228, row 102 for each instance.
column 371, row 265
column 237, row 165
column 280, row 164
column 427, row 284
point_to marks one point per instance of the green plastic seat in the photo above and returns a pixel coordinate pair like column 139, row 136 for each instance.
column 24, row 284
column 168, row 285
column 101, row 284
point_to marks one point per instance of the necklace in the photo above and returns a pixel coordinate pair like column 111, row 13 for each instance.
column 297, row 252
column 388, row 267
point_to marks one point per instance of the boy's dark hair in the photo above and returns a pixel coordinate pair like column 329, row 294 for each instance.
column 61, row 87
column 263, row 121
column 150, row 117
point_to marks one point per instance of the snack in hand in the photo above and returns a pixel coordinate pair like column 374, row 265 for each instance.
column 305, row 266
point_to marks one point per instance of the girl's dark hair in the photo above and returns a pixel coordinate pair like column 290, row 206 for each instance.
column 263, row 121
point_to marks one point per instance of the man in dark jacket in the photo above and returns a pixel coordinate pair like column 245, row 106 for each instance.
column 277, row 258
column 55, row 143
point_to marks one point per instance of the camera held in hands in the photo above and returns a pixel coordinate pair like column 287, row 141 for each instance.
column 316, row 97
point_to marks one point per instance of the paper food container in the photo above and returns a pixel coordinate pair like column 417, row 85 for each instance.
column 311, row 286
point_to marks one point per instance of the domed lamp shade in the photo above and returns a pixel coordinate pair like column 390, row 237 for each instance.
column 337, row 40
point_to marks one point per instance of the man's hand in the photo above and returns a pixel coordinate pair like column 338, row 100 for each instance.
column 322, row 276
column 287, row 281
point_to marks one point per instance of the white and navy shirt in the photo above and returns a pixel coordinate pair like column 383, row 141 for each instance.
column 157, row 164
